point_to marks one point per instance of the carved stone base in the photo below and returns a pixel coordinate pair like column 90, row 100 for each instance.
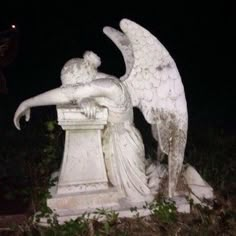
column 77, row 204
column 87, row 202
column 68, row 207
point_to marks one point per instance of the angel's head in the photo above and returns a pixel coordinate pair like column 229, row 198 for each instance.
column 80, row 70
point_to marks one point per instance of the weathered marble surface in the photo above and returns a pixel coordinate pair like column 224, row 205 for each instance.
column 104, row 163
column 83, row 167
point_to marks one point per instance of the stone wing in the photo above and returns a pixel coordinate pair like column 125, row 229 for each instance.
column 151, row 74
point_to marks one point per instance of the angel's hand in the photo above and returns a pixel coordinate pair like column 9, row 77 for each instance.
column 89, row 108
column 22, row 110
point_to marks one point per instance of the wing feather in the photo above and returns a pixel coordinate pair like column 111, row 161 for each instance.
column 155, row 81
column 151, row 77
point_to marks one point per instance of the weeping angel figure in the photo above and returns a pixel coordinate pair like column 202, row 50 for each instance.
column 155, row 87
column 153, row 84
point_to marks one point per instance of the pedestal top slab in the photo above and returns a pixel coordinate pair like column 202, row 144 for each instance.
column 73, row 116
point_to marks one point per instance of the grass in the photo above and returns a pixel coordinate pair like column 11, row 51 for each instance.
column 37, row 151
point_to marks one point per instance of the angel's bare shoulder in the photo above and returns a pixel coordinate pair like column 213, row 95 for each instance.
column 107, row 83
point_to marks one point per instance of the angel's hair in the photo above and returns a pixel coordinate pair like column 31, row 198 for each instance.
column 92, row 59
column 78, row 70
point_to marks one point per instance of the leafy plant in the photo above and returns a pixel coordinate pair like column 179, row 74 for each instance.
column 165, row 210
column 108, row 217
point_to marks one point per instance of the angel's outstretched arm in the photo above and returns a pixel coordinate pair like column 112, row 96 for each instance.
column 52, row 97
column 65, row 95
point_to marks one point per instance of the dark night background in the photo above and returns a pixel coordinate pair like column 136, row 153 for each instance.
column 199, row 37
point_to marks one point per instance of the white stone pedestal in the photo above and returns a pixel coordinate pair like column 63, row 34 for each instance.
column 83, row 167
column 83, row 183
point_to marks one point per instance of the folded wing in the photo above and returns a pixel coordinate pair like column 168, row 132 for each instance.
column 151, row 74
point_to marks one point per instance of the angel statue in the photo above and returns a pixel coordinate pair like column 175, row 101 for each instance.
column 151, row 82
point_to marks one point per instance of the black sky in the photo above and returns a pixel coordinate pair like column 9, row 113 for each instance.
column 199, row 37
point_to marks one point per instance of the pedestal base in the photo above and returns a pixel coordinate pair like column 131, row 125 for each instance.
column 77, row 204
column 72, row 206
column 124, row 211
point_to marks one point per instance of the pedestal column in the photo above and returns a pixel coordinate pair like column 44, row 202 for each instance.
column 82, row 181
column 83, row 167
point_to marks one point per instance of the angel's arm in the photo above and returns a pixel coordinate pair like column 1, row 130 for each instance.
column 64, row 95
column 52, row 97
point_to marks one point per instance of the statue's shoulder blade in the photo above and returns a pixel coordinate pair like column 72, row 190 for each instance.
column 108, row 82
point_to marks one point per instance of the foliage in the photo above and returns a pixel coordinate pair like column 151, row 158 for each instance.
column 165, row 210
column 109, row 218
column 41, row 169
column 75, row 227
